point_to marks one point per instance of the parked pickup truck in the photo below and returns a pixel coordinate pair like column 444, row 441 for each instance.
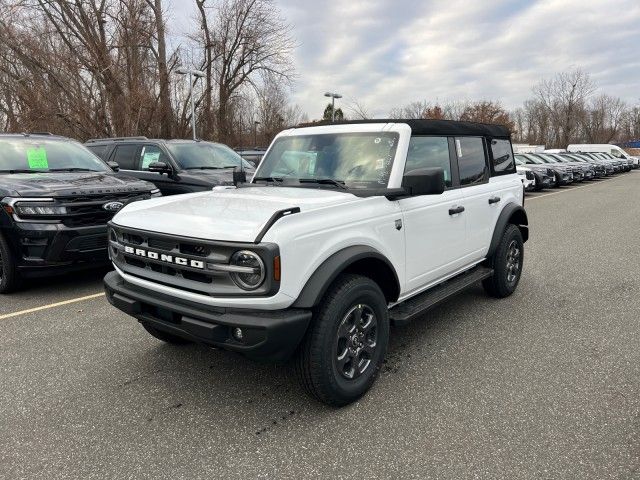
column 344, row 230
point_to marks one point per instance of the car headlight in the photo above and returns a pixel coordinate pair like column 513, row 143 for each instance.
column 31, row 210
column 250, row 271
column 155, row 192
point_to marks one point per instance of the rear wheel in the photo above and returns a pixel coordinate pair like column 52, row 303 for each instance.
column 9, row 277
column 164, row 336
column 343, row 350
column 506, row 263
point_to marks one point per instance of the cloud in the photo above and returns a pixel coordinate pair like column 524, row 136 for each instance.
column 385, row 53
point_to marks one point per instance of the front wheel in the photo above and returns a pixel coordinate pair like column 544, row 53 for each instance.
column 343, row 350
column 506, row 263
column 9, row 277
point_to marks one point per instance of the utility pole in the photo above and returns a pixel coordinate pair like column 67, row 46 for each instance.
column 333, row 97
column 192, row 73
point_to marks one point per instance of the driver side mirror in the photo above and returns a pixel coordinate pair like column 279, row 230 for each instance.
column 424, row 181
column 114, row 166
column 160, row 167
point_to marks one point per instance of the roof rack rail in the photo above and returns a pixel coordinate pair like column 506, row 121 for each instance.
column 37, row 133
column 116, row 139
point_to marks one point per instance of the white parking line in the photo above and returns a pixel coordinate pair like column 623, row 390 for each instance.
column 51, row 305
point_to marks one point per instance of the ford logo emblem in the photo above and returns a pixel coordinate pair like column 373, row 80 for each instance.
column 113, row 206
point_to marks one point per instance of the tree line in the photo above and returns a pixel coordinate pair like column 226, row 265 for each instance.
column 99, row 68
column 566, row 108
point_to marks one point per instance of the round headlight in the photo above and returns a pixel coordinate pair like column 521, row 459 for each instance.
column 254, row 275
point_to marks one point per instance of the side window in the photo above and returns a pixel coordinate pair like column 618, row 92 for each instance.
column 429, row 152
column 502, row 156
column 125, row 156
column 472, row 162
column 99, row 150
column 149, row 155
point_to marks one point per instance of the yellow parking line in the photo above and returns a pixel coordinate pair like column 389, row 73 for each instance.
column 51, row 305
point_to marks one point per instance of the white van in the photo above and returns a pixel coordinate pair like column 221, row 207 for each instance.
column 614, row 150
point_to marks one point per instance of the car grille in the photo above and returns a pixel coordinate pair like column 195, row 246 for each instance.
column 84, row 211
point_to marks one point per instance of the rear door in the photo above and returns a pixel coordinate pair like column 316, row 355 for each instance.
column 434, row 237
column 486, row 169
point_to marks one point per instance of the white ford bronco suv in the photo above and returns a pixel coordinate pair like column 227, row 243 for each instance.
column 343, row 230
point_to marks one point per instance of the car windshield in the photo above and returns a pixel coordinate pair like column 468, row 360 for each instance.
column 31, row 154
column 354, row 160
column 205, row 155
column 534, row 160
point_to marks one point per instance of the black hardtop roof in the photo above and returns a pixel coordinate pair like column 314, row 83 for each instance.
column 435, row 127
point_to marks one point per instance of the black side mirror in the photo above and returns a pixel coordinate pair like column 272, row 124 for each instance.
column 239, row 176
column 114, row 166
column 424, row 181
column 159, row 167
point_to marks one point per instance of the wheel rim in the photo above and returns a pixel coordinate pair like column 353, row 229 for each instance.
column 356, row 341
column 513, row 261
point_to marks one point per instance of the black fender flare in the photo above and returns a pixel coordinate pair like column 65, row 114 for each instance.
column 339, row 262
column 514, row 214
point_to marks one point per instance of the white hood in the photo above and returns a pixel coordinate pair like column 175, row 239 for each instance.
column 235, row 215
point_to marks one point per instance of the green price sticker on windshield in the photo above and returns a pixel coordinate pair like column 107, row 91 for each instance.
column 37, row 158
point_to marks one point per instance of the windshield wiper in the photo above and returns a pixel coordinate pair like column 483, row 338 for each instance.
column 325, row 181
column 21, row 170
column 72, row 169
column 277, row 180
column 212, row 168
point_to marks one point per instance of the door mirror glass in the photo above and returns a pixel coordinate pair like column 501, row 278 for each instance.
column 159, row 167
column 424, row 181
column 114, row 166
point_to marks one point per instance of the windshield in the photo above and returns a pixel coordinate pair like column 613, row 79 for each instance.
column 357, row 160
column 203, row 155
column 43, row 155
column 534, row 160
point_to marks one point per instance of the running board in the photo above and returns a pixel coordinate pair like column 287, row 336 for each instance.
column 409, row 309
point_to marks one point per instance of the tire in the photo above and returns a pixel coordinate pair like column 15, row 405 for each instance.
column 164, row 336
column 325, row 364
column 9, row 277
column 507, row 264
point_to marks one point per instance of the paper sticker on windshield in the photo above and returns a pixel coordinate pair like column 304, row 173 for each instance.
column 37, row 158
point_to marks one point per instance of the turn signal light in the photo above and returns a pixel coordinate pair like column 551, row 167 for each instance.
column 276, row 268
column 8, row 209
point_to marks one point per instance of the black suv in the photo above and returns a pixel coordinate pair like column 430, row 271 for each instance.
column 56, row 198
column 174, row 166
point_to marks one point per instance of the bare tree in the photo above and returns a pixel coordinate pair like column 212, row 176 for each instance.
column 166, row 112
column 603, row 119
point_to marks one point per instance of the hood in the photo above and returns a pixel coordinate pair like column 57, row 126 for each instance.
column 227, row 214
column 60, row 184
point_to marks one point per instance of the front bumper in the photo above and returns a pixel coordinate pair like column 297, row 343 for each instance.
column 271, row 335
column 43, row 248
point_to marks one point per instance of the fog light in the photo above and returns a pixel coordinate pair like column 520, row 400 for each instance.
column 237, row 334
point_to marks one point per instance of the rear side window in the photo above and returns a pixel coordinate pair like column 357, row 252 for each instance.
column 429, row 152
column 502, row 157
column 125, row 156
column 472, row 162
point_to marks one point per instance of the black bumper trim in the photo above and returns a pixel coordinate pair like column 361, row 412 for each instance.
column 267, row 335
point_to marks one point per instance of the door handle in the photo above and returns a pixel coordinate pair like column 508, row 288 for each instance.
column 454, row 210
column 493, row 200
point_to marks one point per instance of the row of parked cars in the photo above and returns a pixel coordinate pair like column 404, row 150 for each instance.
column 541, row 170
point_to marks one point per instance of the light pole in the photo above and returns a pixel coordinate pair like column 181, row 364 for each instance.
column 192, row 73
column 255, row 133
column 333, row 97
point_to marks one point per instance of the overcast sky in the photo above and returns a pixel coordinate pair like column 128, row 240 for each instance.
column 386, row 53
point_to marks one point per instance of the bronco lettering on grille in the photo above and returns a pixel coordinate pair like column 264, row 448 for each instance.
column 164, row 258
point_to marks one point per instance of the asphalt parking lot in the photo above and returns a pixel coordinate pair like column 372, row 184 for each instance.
column 544, row 384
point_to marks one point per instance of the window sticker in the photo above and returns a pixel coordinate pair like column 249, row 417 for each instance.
column 37, row 158
column 149, row 158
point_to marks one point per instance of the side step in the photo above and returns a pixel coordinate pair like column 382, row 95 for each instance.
column 407, row 310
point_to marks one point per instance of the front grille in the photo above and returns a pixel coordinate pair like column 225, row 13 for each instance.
column 185, row 263
column 87, row 210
